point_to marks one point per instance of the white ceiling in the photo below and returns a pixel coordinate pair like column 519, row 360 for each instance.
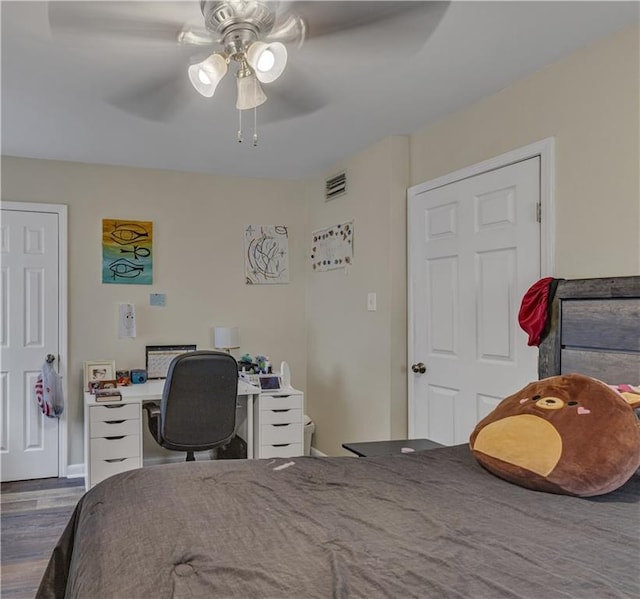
column 58, row 91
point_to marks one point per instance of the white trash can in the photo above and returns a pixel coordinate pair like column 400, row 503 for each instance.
column 309, row 429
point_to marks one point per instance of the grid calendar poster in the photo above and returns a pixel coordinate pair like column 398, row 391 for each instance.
column 127, row 256
column 266, row 254
column 332, row 247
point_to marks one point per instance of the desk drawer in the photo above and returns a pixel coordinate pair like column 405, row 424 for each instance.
column 280, row 402
column 113, row 448
column 123, row 411
column 101, row 469
column 281, row 433
column 288, row 450
column 284, row 416
column 114, row 428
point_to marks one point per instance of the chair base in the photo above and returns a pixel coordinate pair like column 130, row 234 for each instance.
column 190, row 457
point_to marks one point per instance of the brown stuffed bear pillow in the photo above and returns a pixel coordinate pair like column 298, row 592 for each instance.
column 569, row 434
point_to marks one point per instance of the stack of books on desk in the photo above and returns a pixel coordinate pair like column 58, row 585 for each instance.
column 108, row 395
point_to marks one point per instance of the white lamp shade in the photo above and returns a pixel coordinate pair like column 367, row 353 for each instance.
column 206, row 75
column 226, row 337
column 267, row 60
column 250, row 93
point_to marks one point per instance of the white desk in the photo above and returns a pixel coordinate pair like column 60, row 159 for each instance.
column 113, row 430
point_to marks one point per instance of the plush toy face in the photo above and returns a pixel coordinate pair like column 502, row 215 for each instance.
column 568, row 434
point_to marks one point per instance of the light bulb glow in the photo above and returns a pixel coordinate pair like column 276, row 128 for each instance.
column 266, row 61
column 206, row 75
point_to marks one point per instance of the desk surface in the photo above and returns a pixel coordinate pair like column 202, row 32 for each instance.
column 152, row 391
column 378, row 448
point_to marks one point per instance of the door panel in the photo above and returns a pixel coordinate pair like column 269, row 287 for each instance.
column 474, row 249
column 30, row 330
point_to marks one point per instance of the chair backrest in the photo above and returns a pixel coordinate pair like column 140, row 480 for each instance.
column 198, row 409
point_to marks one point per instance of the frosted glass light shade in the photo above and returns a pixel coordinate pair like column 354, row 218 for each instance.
column 206, row 75
column 226, row 338
column 250, row 93
column 267, row 60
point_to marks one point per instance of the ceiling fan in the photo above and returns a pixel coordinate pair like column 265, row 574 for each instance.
column 253, row 38
column 250, row 34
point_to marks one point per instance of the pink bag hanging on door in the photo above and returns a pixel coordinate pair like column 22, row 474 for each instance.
column 48, row 390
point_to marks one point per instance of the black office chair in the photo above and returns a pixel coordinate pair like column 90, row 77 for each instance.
column 198, row 407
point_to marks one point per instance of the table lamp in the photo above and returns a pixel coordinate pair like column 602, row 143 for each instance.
column 226, row 338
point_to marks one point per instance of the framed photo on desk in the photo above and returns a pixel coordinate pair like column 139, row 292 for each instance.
column 158, row 358
column 102, row 370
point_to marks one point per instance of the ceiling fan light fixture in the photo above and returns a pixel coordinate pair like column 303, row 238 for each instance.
column 250, row 92
column 267, row 60
column 206, row 75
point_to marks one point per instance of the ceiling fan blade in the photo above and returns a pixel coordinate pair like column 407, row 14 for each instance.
column 333, row 16
column 362, row 28
column 195, row 36
column 290, row 29
column 144, row 21
column 292, row 95
column 158, row 99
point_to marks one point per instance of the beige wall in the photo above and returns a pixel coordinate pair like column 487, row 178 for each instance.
column 590, row 103
column 198, row 262
column 350, row 362
column 357, row 358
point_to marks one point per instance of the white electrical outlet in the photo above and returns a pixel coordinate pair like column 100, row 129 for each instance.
column 371, row 302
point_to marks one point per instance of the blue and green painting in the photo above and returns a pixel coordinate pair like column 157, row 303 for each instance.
column 127, row 257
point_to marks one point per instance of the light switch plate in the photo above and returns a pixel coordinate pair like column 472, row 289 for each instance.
column 371, row 302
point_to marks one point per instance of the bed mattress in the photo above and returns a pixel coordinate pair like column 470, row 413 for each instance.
column 430, row 524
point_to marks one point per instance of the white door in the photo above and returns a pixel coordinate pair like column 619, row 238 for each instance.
column 30, row 331
column 474, row 250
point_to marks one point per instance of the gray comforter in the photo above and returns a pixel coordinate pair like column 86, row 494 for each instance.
column 431, row 524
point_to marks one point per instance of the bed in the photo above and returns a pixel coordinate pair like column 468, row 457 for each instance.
column 430, row 524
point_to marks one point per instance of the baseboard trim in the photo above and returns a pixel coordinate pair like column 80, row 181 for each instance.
column 316, row 453
column 75, row 471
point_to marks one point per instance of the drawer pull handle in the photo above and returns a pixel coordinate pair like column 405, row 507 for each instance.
column 114, row 421
column 113, row 460
column 283, row 410
column 112, row 406
column 115, row 438
column 281, row 445
column 280, row 396
column 283, row 424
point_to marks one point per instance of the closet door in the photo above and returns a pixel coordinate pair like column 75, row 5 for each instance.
column 30, row 331
column 474, row 250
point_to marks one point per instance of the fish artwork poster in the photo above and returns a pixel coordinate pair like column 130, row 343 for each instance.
column 127, row 253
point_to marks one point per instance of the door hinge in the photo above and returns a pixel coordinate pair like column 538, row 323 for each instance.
column 539, row 212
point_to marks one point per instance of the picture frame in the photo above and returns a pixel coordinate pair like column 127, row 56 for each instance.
column 108, row 384
column 98, row 370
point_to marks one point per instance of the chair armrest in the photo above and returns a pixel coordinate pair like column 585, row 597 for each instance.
column 152, row 408
column 153, row 411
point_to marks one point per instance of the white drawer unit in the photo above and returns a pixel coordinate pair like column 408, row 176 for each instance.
column 279, row 424
column 113, row 440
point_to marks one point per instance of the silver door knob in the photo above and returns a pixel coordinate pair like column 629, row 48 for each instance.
column 419, row 368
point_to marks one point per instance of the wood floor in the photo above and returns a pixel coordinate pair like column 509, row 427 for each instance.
column 33, row 516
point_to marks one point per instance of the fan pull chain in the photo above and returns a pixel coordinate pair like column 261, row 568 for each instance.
column 239, row 126
column 255, row 113
column 255, row 126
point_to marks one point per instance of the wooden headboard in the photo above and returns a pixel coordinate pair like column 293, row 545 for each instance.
column 594, row 330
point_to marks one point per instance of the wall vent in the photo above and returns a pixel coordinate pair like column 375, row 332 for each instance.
column 336, row 186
